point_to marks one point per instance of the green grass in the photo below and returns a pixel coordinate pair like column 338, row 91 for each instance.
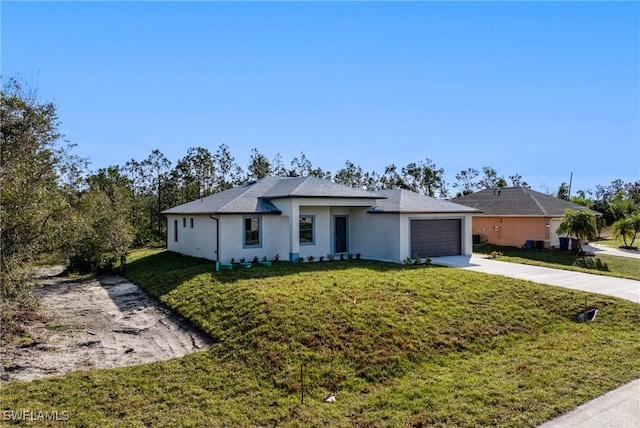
column 53, row 325
column 609, row 241
column 621, row 267
column 400, row 345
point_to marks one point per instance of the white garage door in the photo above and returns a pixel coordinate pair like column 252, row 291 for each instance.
column 433, row 238
column 553, row 232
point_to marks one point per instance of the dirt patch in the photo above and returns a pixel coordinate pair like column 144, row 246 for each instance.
column 96, row 323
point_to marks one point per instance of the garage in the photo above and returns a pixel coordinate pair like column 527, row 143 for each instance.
column 434, row 238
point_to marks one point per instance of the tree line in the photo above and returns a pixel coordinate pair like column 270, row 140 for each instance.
column 155, row 184
column 51, row 204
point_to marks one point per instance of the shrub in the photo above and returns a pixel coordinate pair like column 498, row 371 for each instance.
column 495, row 254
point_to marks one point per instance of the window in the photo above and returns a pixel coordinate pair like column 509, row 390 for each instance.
column 175, row 230
column 191, row 222
column 251, row 228
column 306, row 229
column 184, row 222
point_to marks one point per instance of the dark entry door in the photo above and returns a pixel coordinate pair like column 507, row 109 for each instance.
column 341, row 234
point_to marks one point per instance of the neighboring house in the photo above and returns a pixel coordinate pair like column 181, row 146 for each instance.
column 308, row 216
column 513, row 215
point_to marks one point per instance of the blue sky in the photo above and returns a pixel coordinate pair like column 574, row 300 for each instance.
column 541, row 89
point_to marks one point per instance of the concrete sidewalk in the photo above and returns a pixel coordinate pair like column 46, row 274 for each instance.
column 619, row 408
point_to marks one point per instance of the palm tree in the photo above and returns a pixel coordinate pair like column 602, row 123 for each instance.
column 635, row 222
column 622, row 229
column 580, row 224
column 626, row 228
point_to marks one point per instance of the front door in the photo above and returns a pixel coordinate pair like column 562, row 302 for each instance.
column 341, row 234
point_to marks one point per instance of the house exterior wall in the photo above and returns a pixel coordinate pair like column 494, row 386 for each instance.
column 388, row 236
column 359, row 231
column 321, row 230
column 325, row 210
column 467, row 237
column 199, row 241
column 272, row 234
column 376, row 236
column 513, row 231
column 291, row 212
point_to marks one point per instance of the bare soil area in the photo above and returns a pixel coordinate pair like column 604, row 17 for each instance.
column 96, row 323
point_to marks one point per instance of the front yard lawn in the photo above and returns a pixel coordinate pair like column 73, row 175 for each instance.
column 399, row 345
column 621, row 267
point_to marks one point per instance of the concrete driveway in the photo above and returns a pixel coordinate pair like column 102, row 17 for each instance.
column 619, row 408
column 610, row 251
column 628, row 289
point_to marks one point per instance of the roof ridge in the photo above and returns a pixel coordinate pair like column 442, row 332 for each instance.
column 248, row 187
column 403, row 194
column 304, row 180
column 233, row 199
column 533, row 196
column 278, row 179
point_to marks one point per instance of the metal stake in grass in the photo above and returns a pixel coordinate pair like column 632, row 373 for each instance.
column 301, row 385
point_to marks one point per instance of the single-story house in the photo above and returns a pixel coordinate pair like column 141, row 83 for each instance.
column 511, row 216
column 308, row 216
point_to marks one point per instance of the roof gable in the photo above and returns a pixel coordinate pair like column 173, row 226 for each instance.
column 518, row 201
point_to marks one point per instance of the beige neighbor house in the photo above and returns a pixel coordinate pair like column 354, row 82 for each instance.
column 517, row 216
column 307, row 216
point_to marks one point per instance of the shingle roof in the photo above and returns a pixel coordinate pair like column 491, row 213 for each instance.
column 237, row 200
column 405, row 201
column 254, row 196
column 518, row 201
column 314, row 187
